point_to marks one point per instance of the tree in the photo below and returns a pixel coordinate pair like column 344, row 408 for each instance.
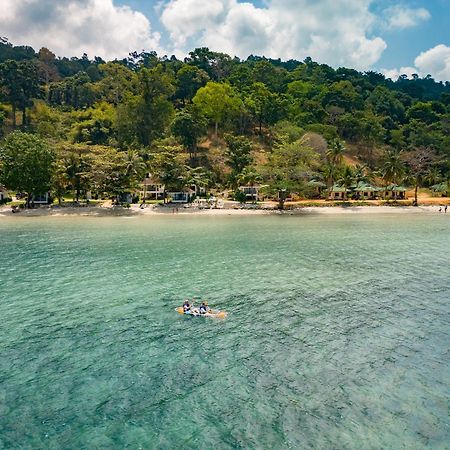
column 273, row 77
column 75, row 161
column 346, row 179
column 264, row 105
column 419, row 162
column 217, row 65
column 76, row 91
column 189, row 79
column 95, row 125
column 335, row 156
column 217, row 102
column 27, row 164
column 393, row 168
column 343, row 95
column 188, row 126
column 290, row 166
column 116, row 82
column 198, row 177
column 249, row 177
column 238, row 154
column 19, row 84
column 335, row 152
column 168, row 166
column 143, row 118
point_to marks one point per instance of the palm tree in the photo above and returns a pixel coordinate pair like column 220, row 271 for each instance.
column 433, row 176
column 335, row 153
column 393, row 168
column 249, row 177
column 347, row 179
column 199, row 177
column 362, row 174
column 335, row 156
column 135, row 168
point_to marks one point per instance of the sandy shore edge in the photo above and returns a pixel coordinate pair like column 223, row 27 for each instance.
column 149, row 210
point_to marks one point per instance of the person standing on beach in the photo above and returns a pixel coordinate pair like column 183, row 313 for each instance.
column 445, row 209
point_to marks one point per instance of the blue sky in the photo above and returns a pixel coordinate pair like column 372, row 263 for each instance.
column 392, row 36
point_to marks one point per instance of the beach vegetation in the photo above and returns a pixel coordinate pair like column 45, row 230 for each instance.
column 215, row 123
column 26, row 164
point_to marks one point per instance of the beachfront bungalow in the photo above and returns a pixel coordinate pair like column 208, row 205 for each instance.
column 393, row 192
column 338, row 193
column 152, row 189
column 41, row 199
column 3, row 194
column 364, row 191
column 181, row 196
column 251, row 192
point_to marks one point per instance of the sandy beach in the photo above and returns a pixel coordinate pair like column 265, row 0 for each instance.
column 152, row 210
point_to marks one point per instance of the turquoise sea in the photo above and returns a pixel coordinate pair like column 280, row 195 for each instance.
column 338, row 333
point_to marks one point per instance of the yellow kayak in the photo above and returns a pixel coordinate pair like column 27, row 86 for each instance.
column 211, row 313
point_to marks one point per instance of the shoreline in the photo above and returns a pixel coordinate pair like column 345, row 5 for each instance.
column 153, row 211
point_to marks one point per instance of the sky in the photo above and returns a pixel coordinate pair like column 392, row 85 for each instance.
column 390, row 36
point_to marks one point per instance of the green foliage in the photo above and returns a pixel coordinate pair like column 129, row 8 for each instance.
column 26, row 163
column 167, row 164
column 96, row 125
column 393, row 168
column 239, row 196
column 19, row 85
column 76, row 91
column 218, row 102
column 290, row 166
column 145, row 117
column 266, row 107
column 90, row 107
column 238, row 153
column 188, row 126
column 188, row 80
column 117, row 80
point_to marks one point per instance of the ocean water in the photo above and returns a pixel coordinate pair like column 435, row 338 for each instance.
column 337, row 337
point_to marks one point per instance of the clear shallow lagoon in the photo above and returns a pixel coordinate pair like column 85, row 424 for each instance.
column 338, row 333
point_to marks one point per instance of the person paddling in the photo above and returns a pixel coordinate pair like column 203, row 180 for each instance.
column 186, row 306
column 203, row 308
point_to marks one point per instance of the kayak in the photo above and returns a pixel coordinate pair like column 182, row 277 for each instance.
column 211, row 313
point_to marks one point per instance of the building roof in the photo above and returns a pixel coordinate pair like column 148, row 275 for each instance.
column 337, row 188
column 361, row 186
column 394, row 188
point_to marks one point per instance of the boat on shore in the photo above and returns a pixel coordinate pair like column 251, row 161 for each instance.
column 196, row 313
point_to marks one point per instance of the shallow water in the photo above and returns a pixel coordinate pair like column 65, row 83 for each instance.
column 337, row 334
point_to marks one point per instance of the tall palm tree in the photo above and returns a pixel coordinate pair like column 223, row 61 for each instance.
column 393, row 169
column 135, row 169
column 335, row 157
column 362, row 174
column 335, row 153
column 199, row 177
column 347, row 179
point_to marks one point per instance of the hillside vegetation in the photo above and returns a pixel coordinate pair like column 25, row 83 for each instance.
column 217, row 122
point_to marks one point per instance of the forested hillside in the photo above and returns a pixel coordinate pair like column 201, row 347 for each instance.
column 217, row 122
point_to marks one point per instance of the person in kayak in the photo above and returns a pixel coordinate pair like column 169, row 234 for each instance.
column 203, row 308
column 186, row 306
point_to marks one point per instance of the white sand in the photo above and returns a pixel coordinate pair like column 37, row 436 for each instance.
column 151, row 210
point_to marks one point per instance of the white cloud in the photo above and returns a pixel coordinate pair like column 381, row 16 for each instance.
column 74, row 27
column 400, row 17
column 434, row 62
column 331, row 31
